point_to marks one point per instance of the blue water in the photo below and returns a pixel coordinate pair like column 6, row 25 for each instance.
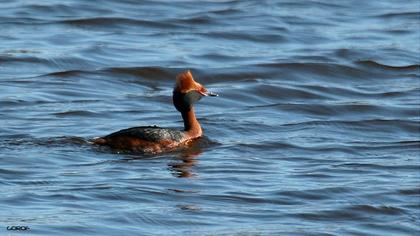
column 315, row 132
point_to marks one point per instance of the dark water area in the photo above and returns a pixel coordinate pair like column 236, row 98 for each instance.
column 315, row 132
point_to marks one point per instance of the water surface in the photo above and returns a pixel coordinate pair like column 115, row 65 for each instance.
column 316, row 130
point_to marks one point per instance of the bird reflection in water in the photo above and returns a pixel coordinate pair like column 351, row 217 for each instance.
column 183, row 161
column 186, row 159
column 182, row 168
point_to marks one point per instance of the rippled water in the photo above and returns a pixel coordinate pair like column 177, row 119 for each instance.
column 316, row 131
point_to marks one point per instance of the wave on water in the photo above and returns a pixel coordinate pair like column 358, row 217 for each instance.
column 25, row 140
column 315, row 131
column 375, row 64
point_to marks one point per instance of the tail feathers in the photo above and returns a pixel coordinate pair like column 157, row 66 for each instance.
column 99, row 141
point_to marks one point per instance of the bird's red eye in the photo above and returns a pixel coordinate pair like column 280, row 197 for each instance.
column 202, row 91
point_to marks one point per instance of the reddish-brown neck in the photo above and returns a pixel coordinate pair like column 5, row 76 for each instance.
column 191, row 125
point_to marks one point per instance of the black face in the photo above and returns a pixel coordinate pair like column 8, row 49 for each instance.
column 184, row 101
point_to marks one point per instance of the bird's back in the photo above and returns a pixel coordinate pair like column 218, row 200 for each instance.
column 144, row 139
column 150, row 133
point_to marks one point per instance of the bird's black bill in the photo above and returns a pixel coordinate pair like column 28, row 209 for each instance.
column 212, row 94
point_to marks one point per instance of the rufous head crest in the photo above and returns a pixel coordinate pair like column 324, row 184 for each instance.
column 185, row 83
column 187, row 91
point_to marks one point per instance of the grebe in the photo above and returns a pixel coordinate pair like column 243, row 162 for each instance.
column 153, row 139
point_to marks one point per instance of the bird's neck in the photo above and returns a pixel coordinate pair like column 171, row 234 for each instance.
column 191, row 125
